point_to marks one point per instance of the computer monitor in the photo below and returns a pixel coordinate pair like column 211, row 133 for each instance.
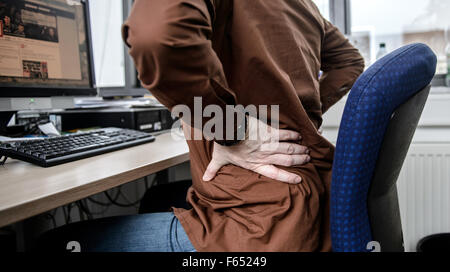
column 45, row 51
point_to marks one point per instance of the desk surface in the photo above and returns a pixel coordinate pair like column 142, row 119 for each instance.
column 27, row 190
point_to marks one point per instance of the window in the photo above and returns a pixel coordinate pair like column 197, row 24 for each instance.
column 400, row 22
column 324, row 7
column 106, row 21
column 368, row 22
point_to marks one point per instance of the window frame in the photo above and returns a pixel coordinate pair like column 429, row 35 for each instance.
column 340, row 15
column 132, row 86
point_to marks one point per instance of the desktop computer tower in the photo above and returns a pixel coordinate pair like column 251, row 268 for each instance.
column 149, row 120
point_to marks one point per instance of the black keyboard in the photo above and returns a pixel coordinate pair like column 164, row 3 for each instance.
column 49, row 152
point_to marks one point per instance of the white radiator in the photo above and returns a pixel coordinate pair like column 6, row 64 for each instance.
column 424, row 192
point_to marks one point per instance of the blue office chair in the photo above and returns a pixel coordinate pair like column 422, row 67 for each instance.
column 379, row 121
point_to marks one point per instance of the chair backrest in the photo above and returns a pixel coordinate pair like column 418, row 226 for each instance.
column 384, row 210
column 378, row 101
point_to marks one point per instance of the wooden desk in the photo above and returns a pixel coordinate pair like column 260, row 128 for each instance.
column 27, row 190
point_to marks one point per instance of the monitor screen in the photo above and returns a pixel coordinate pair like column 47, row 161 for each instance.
column 44, row 44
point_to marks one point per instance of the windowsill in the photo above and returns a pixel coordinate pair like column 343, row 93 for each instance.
column 435, row 114
column 436, row 90
column 434, row 126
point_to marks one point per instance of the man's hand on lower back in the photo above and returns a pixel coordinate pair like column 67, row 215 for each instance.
column 265, row 148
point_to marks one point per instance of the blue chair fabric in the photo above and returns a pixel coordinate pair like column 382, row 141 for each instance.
column 378, row 92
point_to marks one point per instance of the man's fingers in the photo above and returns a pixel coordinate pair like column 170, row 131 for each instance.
column 284, row 148
column 285, row 135
column 286, row 160
column 272, row 172
column 212, row 170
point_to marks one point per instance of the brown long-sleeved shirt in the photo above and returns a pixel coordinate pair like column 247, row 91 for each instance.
column 249, row 52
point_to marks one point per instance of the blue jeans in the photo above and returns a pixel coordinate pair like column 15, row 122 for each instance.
column 157, row 232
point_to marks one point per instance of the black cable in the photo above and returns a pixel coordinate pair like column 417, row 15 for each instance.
column 146, row 183
column 152, row 183
column 3, row 160
column 91, row 214
column 101, row 212
column 69, row 213
column 98, row 202
column 54, row 212
column 85, row 206
column 102, row 203
column 52, row 218
column 117, row 203
column 80, row 211
column 146, row 188
column 129, row 202
column 65, row 214
column 85, row 209
column 114, row 200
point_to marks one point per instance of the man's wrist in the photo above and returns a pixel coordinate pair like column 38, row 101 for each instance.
column 241, row 133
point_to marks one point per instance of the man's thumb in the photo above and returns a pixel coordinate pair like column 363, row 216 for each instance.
column 211, row 171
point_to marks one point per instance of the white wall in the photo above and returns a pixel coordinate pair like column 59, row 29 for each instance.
column 392, row 17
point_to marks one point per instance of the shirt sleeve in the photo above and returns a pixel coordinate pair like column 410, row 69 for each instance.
column 341, row 65
column 169, row 41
